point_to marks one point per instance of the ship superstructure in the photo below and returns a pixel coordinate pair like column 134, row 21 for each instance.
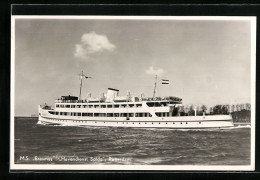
column 110, row 109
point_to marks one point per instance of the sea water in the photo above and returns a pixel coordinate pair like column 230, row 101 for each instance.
column 45, row 144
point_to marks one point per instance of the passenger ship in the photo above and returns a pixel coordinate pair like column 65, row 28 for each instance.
column 126, row 111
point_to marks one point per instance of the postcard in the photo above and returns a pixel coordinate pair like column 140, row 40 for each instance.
column 133, row 93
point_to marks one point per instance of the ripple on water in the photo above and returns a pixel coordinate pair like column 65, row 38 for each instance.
column 146, row 146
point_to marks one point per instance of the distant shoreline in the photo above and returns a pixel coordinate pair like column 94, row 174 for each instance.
column 242, row 123
column 30, row 117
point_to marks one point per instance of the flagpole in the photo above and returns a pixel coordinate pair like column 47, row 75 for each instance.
column 81, row 76
column 154, row 86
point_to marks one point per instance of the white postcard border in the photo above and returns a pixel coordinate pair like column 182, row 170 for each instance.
column 250, row 167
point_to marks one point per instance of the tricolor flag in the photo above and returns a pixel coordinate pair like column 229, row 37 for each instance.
column 83, row 76
column 165, row 81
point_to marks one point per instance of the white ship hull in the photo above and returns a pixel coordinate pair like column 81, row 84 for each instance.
column 180, row 122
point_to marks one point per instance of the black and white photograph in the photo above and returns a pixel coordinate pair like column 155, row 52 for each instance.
column 133, row 93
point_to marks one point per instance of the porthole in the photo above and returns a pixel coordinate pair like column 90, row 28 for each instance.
column 159, row 123
column 181, row 122
column 133, row 123
column 173, row 123
column 166, row 123
column 152, row 123
column 139, row 122
column 186, row 123
column 200, row 122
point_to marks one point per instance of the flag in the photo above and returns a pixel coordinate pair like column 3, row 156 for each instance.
column 165, row 81
column 86, row 77
column 83, row 76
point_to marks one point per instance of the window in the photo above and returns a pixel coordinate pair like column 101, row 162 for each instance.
column 123, row 105
column 140, row 114
column 153, row 104
column 131, row 114
column 102, row 114
column 131, row 105
column 138, row 105
column 51, row 112
column 67, row 106
column 163, row 104
column 62, row 106
column 103, row 106
column 116, row 105
column 158, row 114
column 96, row 106
column 78, row 106
column 109, row 106
column 57, row 105
column 116, row 114
column 123, row 114
column 90, row 106
column 109, row 114
column 85, row 106
column 73, row 106
column 150, row 104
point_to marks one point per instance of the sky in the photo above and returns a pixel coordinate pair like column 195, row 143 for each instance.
column 206, row 62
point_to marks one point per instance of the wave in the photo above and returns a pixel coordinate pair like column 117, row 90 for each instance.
column 148, row 128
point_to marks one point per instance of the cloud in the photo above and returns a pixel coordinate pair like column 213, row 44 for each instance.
column 92, row 43
column 152, row 71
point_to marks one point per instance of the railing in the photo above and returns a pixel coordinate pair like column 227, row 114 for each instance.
column 47, row 107
column 136, row 100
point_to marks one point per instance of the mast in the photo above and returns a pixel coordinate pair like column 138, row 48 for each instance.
column 81, row 76
column 154, row 86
